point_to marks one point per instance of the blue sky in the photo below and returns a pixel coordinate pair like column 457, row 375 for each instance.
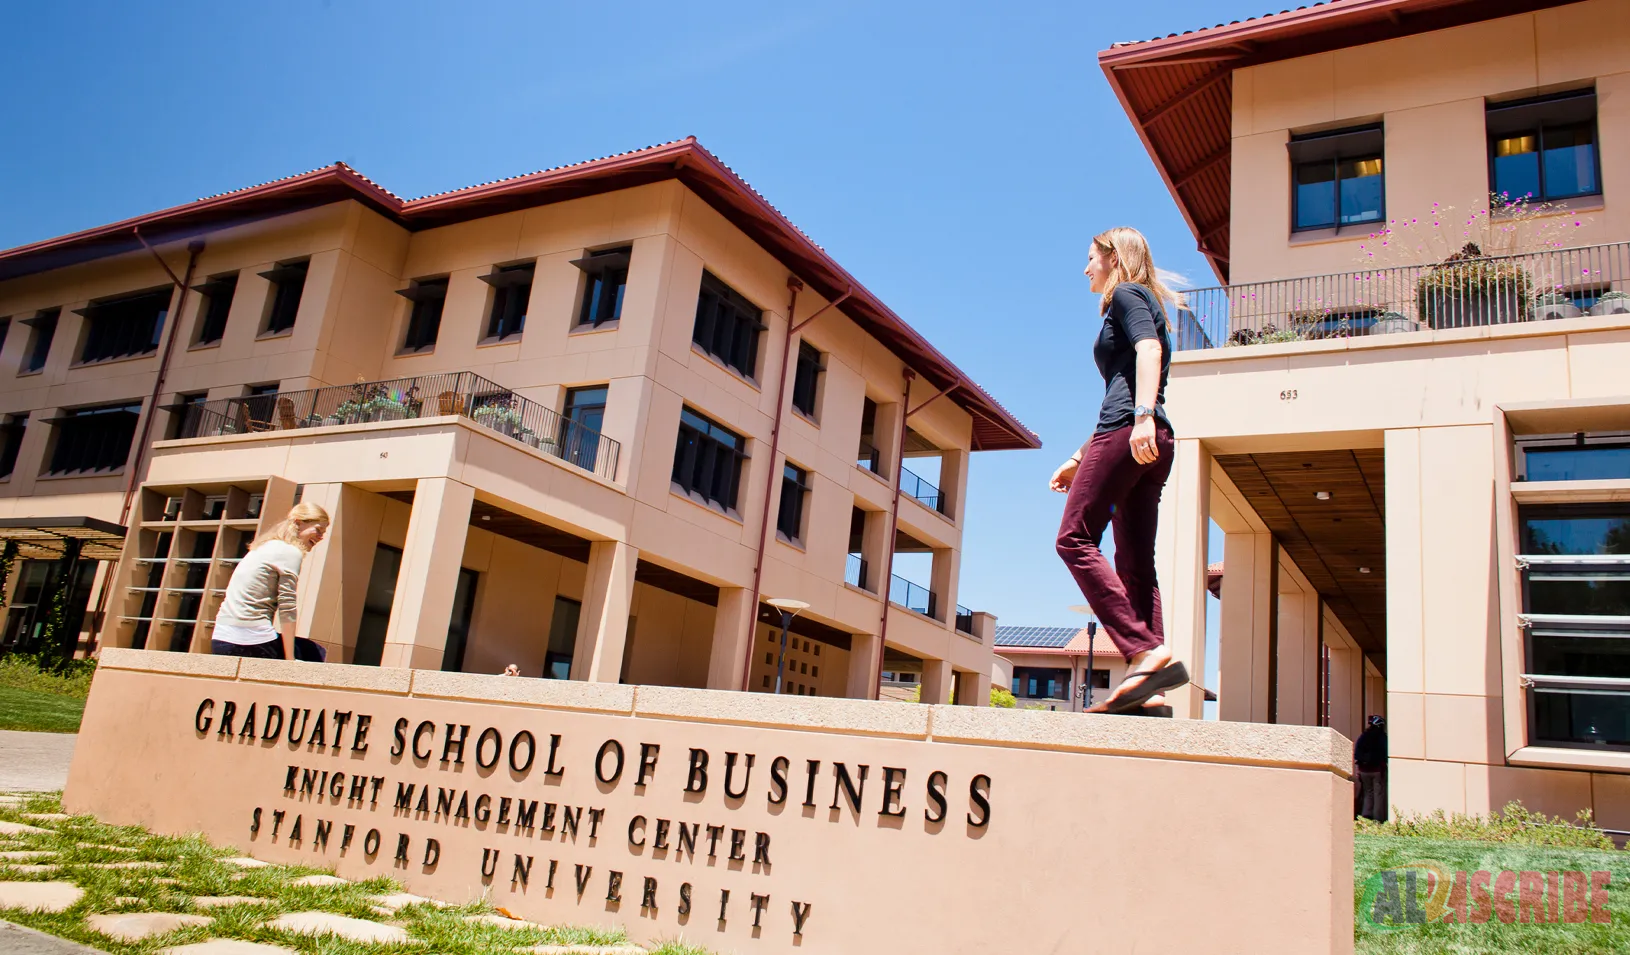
column 955, row 158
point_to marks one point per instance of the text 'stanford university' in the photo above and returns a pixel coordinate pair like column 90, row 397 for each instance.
column 585, row 421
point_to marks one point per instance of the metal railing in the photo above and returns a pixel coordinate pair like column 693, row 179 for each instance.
column 869, row 457
column 1460, row 292
column 855, row 571
column 911, row 596
column 463, row 393
column 964, row 619
column 926, row 493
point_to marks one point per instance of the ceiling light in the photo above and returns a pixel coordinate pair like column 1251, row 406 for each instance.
column 1363, row 570
column 1322, row 495
column 486, row 517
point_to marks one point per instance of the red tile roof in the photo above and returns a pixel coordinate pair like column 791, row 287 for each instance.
column 994, row 427
column 1178, row 89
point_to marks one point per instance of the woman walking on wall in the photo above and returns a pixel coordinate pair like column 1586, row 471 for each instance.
column 1116, row 477
column 257, row 615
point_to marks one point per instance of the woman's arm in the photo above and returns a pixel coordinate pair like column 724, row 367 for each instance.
column 288, row 583
column 1144, row 449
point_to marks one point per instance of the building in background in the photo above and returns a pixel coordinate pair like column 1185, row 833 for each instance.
column 586, row 421
column 1407, row 408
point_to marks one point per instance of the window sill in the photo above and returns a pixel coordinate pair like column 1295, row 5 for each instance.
column 874, row 475
column 749, row 381
column 415, row 352
column 587, row 329
column 270, row 336
column 100, row 362
column 1557, row 207
column 860, row 590
column 1339, row 234
column 808, row 418
column 21, row 373
column 1561, row 492
column 790, row 542
column 76, row 475
column 204, row 346
column 704, row 503
column 489, row 341
column 1564, row 757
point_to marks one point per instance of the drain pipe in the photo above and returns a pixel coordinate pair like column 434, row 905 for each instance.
column 794, row 286
column 894, row 511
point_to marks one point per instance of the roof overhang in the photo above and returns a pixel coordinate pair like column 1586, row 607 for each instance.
column 46, row 538
column 994, row 428
column 1178, row 90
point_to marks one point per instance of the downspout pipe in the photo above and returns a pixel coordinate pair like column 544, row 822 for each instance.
column 875, row 690
column 794, row 285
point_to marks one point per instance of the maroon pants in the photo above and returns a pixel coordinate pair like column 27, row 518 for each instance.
column 1111, row 487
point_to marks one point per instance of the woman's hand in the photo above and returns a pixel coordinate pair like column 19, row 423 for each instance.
column 1144, row 449
column 1064, row 476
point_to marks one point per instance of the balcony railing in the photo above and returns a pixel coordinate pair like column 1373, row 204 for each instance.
column 854, row 571
column 460, row 393
column 920, row 489
column 911, row 596
column 964, row 619
column 869, row 457
column 1457, row 293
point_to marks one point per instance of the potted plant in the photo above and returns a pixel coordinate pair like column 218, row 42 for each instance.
column 1393, row 322
column 1612, row 303
column 1554, row 304
column 1470, row 289
column 505, row 419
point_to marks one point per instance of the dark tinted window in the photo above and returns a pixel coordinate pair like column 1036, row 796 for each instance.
column 789, row 521
column 429, row 298
column 1587, row 462
column 806, row 379
column 11, row 440
column 511, row 288
column 1544, row 148
column 727, row 326
column 94, row 439
column 607, row 280
column 708, row 459
column 288, row 284
column 121, row 327
column 218, row 293
column 42, row 329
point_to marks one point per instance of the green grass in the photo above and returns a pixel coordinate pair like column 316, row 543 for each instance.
column 199, row 869
column 39, row 711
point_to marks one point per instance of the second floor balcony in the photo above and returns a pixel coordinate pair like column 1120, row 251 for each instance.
column 1463, row 291
column 465, row 394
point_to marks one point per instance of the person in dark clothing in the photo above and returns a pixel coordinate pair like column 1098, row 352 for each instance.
column 1370, row 753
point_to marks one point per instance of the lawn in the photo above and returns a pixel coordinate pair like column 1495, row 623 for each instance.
column 26, row 709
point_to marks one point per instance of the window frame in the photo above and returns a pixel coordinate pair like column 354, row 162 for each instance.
column 511, row 294
column 12, row 432
column 56, row 466
column 795, row 480
column 1521, row 444
column 711, row 488
column 114, row 335
column 575, row 444
column 744, row 327
column 286, row 295
column 810, row 361
column 42, row 333
column 1333, row 139
column 1555, row 100
column 601, row 268
column 218, row 293
column 427, row 304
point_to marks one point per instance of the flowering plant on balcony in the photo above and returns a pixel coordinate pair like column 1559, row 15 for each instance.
column 501, row 417
column 1505, row 226
column 1472, row 289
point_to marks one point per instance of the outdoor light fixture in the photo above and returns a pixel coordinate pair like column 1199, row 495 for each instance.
column 1363, row 570
column 1322, row 495
column 789, row 608
column 1092, row 635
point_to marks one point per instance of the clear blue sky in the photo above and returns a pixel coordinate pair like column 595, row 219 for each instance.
column 956, row 159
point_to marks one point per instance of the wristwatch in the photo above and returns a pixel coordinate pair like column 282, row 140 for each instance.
column 1143, row 411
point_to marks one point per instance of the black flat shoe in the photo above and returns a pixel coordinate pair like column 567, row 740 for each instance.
column 1150, row 683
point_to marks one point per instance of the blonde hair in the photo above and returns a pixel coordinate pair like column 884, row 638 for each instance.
column 288, row 529
column 1133, row 263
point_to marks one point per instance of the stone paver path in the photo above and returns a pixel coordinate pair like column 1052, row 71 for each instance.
column 17, row 828
column 25, row 856
column 39, row 896
column 47, row 816
column 216, row 901
column 20, row 940
column 33, row 869
column 35, row 762
column 320, row 880
column 135, row 926
column 228, row 946
column 244, row 862
column 320, row 923
column 125, row 865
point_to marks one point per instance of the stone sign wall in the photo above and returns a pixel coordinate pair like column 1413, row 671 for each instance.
column 742, row 822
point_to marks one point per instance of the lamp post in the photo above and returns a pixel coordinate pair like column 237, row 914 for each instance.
column 789, row 608
column 1092, row 635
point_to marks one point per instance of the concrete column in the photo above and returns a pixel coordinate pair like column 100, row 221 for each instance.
column 1295, row 643
column 733, row 628
column 886, row 434
column 628, row 403
column 1180, row 562
column 937, row 681
column 953, row 479
column 972, row 689
column 946, row 571
column 1247, row 602
column 602, row 629
column 417, row 633
column 875, row 547
column 863, row 667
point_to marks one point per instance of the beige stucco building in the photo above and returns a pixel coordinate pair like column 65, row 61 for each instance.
column 1419, row 463
column 585, row 421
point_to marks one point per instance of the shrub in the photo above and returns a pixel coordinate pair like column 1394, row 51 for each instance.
column 1515, row 824
column 63, row 678
column 1003, row 697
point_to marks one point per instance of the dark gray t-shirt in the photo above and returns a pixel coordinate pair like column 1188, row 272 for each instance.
column 1135, row 314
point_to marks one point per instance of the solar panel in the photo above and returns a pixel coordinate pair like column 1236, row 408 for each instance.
column 1035, row 636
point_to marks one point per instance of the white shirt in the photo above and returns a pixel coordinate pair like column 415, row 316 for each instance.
column 260, row 593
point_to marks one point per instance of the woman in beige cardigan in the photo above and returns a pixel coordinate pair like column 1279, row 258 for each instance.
column 257, row 615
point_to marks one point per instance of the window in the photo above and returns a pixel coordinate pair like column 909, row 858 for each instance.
column 186, row 415
column 376, row 606
column 708, row 459
column 789, row 521
column 557, row 660
column 5, row 329
column 727, row 326
column 94, row 439
column 1337, row 178
column 511, row 287
column 1544, row 149
column 607, row 279
column 458, row 628
column 218, row 293
column 1041, row 683
column 581, row 425
column 868, row 456
column 1574, row 457
column 1576, row 596
column 11, row 440
column 805, row 380
column 288, row 282
column 429, row 297
column 124, row 326
column 43, row 328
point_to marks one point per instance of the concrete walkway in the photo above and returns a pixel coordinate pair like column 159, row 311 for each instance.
column 34, row 762
column 17, row 940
